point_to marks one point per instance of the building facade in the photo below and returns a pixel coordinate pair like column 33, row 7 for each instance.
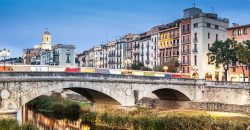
column 63, row 55
column 186, row 40
column 239, row 33
column 206, row 28
column 45, row 54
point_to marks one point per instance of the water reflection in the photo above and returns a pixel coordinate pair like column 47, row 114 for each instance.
column 49, row 121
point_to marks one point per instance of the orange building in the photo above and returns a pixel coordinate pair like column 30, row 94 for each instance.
column 240, row 33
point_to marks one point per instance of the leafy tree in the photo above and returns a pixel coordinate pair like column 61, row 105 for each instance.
column 138, row 66
column 172, row 64
column 247, row 43
column 242, row 55
column 223, row 53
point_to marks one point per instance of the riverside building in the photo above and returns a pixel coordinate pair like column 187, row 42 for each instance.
column 239, row 33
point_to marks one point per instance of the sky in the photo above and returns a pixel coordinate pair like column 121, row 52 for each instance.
column 87, row 23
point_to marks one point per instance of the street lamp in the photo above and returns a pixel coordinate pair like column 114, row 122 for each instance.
column 165, row 68
column 195, row 74
column 4, row 53
column 127, row 62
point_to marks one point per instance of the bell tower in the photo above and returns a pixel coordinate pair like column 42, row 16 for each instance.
column 46, row 44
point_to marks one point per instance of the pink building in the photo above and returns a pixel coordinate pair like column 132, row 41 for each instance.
column 240, row 33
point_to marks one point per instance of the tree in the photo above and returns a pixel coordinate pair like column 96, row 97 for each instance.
column 172, row 64
column 242, row 55
column 247, row 43
column 223, row 53
column 138, row 66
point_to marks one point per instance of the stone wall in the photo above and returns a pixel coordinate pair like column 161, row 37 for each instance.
column 208, row 106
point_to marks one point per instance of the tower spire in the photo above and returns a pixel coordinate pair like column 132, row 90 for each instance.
column 194, row 3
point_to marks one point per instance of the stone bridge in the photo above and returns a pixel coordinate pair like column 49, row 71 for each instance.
column 18, row 88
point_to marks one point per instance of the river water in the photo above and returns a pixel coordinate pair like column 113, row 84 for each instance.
column 49, row 121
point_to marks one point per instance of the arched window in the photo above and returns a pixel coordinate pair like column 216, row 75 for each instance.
column 245, row 31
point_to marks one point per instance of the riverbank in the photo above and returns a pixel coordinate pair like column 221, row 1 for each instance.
column 12, row 124
column 147, row 119
column 116, row 117
column 60, row 107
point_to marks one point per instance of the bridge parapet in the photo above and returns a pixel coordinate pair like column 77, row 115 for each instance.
column 30, row 76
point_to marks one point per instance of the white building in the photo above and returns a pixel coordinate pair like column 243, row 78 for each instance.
column 149, row 48
column 206, row 28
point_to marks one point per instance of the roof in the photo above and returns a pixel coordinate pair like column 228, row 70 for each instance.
column 242, row 26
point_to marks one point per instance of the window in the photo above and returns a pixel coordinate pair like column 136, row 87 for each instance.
column 195, row 36
column 183, row 69
column 208, row 46
column 68, row 59
column 208, row 35
column 234, row 33
column 216, row 27
column 183, row 59
column 188, row 38
column 195, row 47
column 195, row 25
column 195, row 60
column 183, row 39
column 183, row 28
column 188, row 28
column 187, row 69
column 245, row 31
column 217, row 37
column 234, row 69
column 239, row 32
column 208, row 25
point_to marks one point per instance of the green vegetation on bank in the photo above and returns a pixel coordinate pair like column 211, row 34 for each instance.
column 149, row 120
column 11, row 124
column 62, row 108
column 141, row 118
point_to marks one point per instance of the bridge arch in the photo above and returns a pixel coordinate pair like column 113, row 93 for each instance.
column 168, row 92
column 96, row 93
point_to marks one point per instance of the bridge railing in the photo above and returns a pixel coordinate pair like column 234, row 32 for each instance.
column 125, row 77
column 90, row 75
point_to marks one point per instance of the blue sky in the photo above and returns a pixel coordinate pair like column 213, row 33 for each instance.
column 86, row 23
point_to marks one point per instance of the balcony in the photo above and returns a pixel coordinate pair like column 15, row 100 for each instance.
column 186, row 51
column 186, row 42
column 147, row 61
column 111, row 62
column 175, row 44
column 129, row 49
column 195, row 50
column 195, row 40
column 185, row 63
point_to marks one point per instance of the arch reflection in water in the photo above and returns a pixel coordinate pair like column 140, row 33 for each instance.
column 47, row 121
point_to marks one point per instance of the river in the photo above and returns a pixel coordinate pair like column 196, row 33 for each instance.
column 49, row 121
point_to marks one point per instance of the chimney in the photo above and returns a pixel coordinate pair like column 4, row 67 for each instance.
column 235, row 25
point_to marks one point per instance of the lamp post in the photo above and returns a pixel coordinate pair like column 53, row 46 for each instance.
column 195, row 69
column 127, row 62
column 165, row 68
column 4, row 53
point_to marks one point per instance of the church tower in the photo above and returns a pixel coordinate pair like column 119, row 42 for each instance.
column 46, row 44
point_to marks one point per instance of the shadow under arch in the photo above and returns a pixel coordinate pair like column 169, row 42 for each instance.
column 95, row 96
column 170, row 94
